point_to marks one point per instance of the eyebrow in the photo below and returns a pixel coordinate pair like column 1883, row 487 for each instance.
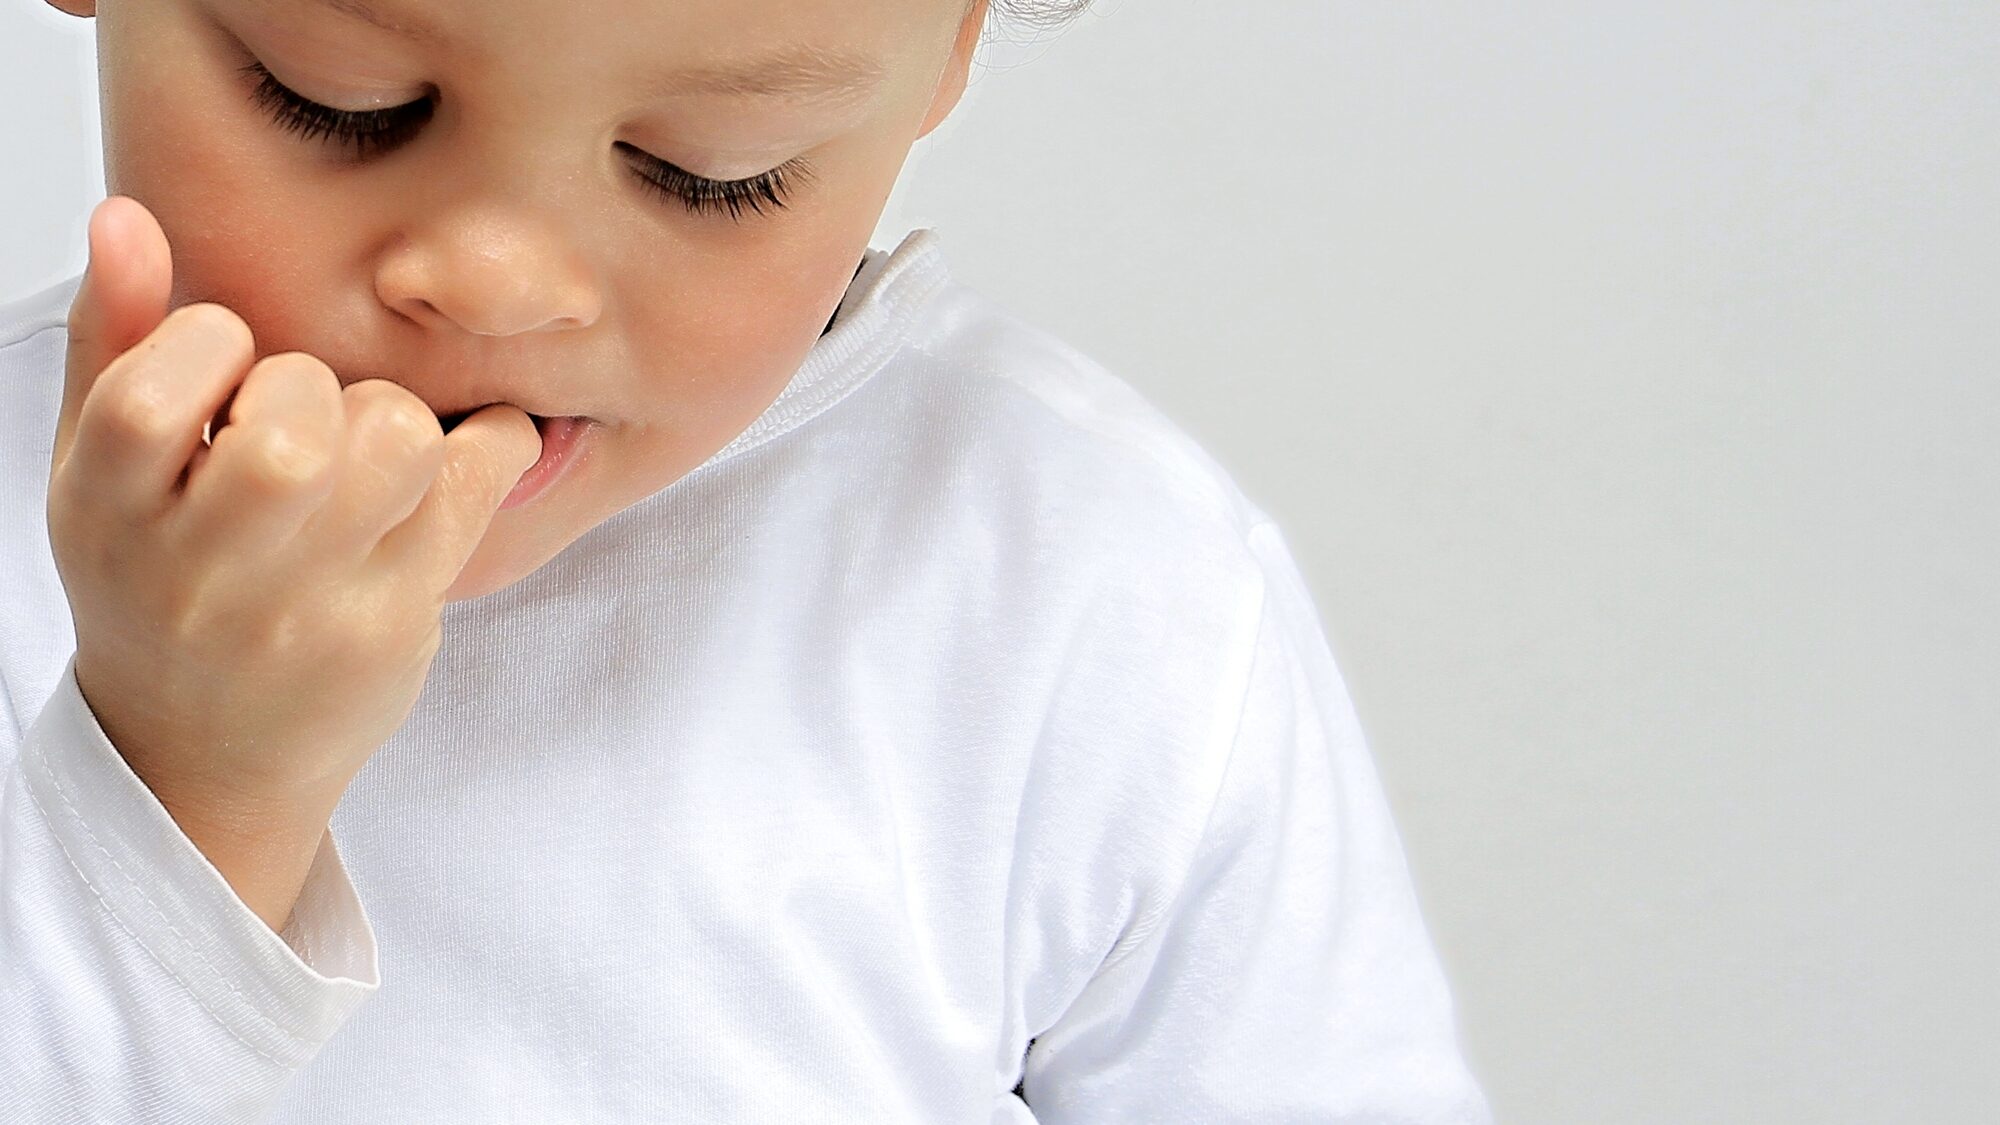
column 798, row 70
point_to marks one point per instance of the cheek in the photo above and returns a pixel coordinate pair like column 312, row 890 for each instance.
column 242, row 235
column 719, row 344
column 182, row 138
column 249, row 254
column 717, row 350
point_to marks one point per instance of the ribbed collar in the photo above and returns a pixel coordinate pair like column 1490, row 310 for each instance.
column 881, row 300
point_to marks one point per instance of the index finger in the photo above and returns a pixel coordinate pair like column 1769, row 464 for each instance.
column 484, row 457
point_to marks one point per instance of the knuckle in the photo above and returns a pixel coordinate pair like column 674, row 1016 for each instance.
column 373, row 395
column 277, row 459
column 133, row 412
column 355, row 639
column 401, row 420
column 215, row 322
column 129, row 400
column 379, row 392
column 184, row 609
column 268, row 632
column 298, row 365
column 415, row 432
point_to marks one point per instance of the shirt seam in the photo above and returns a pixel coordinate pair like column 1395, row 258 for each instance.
column 33, row 330
column 56, row 783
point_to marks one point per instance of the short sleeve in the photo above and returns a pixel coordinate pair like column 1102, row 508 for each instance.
column 1292, row 977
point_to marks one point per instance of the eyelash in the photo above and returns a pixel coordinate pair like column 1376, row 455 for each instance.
column 383, row 129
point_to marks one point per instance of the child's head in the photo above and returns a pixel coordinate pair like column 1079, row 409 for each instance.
column 498, row 237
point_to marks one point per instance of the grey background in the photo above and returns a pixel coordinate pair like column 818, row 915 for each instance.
column 1623, row 376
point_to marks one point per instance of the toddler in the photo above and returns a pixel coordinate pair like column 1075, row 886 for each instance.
column 515, row 612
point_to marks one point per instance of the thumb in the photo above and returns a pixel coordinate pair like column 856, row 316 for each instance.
column 127, row 281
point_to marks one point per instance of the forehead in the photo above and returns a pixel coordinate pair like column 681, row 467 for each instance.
column 792, row 49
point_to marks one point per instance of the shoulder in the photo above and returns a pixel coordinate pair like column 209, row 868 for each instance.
column 1013, row 422
column 34, row 339
column 1112, row 580
column 26, row 316
column 1073, row 527
column 35, row 627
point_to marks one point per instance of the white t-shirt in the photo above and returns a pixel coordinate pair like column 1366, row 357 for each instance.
column 960, row 702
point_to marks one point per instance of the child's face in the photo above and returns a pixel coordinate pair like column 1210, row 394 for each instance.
column 506, row 246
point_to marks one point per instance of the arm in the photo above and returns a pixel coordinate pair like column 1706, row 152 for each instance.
column 137, row 985
column 262, row 850
column 1291, row 977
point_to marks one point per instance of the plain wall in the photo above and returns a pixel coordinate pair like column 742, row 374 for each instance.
column 1624, row 377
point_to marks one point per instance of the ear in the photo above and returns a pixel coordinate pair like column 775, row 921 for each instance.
column 951, row 83
column 81, row 8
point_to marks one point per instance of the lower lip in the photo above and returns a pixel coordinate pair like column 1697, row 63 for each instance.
column 561, row 441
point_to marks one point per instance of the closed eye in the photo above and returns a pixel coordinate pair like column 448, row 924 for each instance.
column 380, row 130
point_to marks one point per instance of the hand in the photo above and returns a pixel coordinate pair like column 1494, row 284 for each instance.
column 256, row 614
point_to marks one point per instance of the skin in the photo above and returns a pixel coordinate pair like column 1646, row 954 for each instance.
column 508, row 252
column 246, row 642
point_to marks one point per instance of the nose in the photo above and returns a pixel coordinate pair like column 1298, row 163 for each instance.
column 489, row 274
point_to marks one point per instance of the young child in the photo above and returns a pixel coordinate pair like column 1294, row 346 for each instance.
column 514, row 611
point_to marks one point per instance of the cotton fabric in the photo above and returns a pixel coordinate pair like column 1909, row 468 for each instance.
column 959, row 703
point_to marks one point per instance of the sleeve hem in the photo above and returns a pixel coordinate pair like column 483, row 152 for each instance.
column 163, row 891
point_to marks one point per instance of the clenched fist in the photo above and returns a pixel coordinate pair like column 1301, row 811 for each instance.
column 255, row 613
